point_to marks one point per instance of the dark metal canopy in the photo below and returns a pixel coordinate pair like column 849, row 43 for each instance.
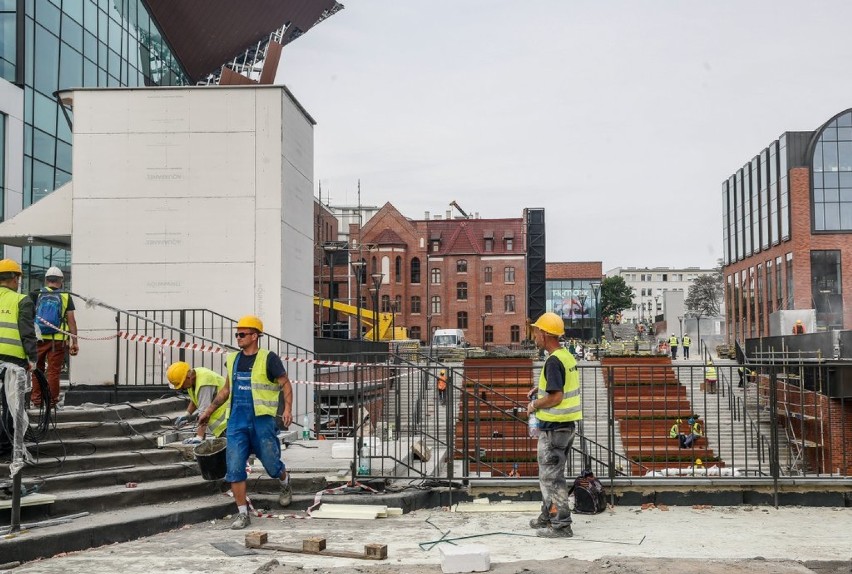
column 205, row 34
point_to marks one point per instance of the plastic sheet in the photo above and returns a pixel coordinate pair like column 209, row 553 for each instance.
column 16, row 383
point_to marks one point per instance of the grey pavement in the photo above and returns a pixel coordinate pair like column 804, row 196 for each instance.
column 707, row 539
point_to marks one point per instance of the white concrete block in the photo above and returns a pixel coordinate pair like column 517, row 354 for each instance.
column 465, row 558
column 342, row 450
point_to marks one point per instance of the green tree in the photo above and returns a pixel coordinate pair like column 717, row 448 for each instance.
column 616, row 296
column 705, row 295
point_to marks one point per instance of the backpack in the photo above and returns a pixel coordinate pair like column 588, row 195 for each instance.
column 49, row 309
column 589, row 495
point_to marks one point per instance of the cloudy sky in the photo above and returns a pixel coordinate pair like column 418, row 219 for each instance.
column 620, row 117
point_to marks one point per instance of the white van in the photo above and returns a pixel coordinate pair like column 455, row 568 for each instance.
column 448, row 338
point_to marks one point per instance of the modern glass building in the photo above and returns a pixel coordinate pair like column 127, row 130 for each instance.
column 50, row 45
column 572, row 291
column 787, row 230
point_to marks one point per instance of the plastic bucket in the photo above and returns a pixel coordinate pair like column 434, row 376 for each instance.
column 211, row 458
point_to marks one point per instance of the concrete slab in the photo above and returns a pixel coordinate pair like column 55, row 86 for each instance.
column 744, row 538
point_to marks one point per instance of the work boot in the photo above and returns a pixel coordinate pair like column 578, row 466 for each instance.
column 286, row 496
column 539, row 522
column 564, row 532
column 242, row 520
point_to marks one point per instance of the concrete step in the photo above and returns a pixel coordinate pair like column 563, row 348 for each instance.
column 83, row 447
column 104, row 428
column 160, row 408
column 74, row 464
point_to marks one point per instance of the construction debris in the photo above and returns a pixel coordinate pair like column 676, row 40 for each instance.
column 355, row 511
column 316, row 545
column 498, row 507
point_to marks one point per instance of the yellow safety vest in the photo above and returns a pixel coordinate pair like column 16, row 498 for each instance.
column 207, row 378
column 264, row 393
column 710, row 373
column 686, row 341
column 673, row 341
column 63, row 326
column 10, row 337
column 571, row 408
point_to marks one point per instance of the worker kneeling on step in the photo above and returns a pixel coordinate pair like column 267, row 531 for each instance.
column 202, row 385
column 254, row 382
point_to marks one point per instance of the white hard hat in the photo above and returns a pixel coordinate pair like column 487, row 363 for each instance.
column 54, row 272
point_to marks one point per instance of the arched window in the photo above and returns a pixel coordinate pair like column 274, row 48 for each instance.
column 461, row 291
column 415, row 270
column 461, row 266
column 489, row 333
column 831, row 168
column 489, row 304
column 374, row 265
column 414, row 333
column 509, row 275
column 488, row 274
column 397, row 304
column 397, row 269
column 461, row 320
column 436, row 304
column 415, row 304
column 436, row 276
column 509, row 303
column 386, row 306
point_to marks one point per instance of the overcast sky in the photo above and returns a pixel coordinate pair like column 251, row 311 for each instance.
column 621, row 118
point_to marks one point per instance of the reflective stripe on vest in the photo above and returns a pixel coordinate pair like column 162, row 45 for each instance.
column 571, row 408
column 10, row 336
column 264, row 393
column 63, row 325
column 207, row 378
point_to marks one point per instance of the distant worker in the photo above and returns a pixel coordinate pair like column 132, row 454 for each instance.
column 258, row 378
column 442, row 387
column 673, row 342
column 17, row 348
column 686, row 342
column 202, row 385
column 746, row 375
column 710, row 377
column 557, row 405
column 799, row 327
column 58, row 328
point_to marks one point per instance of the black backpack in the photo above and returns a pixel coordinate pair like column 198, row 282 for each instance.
column 589, row 495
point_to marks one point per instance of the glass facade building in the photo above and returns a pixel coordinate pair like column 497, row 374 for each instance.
column 574, row 301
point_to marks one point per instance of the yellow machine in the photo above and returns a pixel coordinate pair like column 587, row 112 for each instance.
column 384, row 322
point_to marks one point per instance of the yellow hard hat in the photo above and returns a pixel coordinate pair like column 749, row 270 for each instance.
column 799, row 321
column 443, row 372
column 250, row 322
column 10, row 266
column 698, row 462
column 176, row 374
column 551, row 323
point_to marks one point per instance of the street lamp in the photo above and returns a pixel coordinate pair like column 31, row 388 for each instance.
column 582, row 297
column 596, row 289
column 484, row 316
column 377, row 284
column 358, row 271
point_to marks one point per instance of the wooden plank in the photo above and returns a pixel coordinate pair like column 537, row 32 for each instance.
column 30, row 500
column 509, row 507
column 316, row 546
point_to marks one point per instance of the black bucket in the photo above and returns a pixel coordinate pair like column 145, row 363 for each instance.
column 211, row 457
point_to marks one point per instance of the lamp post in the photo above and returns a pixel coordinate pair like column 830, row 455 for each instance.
column 596, row 289
column 582, row 297
column 377, row 284
column 358, row 271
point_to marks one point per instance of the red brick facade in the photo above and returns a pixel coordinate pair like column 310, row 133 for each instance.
column 575, row 270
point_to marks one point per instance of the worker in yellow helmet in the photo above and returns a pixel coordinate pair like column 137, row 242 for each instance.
column 557, row 407
column 255, row 382
column 18, row 348
column 710, row 377
column 202, row 385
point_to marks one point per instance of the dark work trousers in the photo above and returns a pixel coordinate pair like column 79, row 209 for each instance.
column 674, row 351
column 553, row 450
column 685, row 352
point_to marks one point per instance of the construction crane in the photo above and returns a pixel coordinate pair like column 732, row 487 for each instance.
column 460, row 210
column 384, row 322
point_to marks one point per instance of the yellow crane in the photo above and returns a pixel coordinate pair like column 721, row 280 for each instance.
column 384, row 322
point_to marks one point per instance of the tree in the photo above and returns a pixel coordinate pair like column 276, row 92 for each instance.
column 705, row 295
column 616, row 296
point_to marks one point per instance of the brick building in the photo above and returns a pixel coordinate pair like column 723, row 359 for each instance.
column 787, row 218
column 570, row 292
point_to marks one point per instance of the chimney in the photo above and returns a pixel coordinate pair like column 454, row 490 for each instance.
column 426, row 217
column 449, row 214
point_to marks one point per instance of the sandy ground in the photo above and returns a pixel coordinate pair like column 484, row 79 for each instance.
column 627, row 539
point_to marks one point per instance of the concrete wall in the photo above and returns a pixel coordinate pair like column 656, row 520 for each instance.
column 12, row 106
column 191, row 198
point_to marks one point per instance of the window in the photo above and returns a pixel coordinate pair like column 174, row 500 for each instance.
column 489, row 334
column 832, row 179
column 374, row 265
column 415, row 304
column 397, row 270
column 461, row 320
column 386, row 306
column 488, row 273
column 489, row 245
column 509, row 244
column 489, row 304
column 461, row 266
column 397, row 304
column 509, row 275
column 827, row 288
column 461, row 291
column 414, row 333
column 509, row 303
column 436, row 276
column 436, row 246
column 436, row 304
column 515, row 333
column 415, row 270
column 789, row 269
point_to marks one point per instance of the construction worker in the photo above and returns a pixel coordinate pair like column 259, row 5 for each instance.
column 686, row 342
column 799, row 327
column 746, row 375
column 673, row 342
column 202, row 385
column 557, row 406
column 710, row 377
column 442, row 387
column 254, row 383
column 58, row 332
column 17, row 348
